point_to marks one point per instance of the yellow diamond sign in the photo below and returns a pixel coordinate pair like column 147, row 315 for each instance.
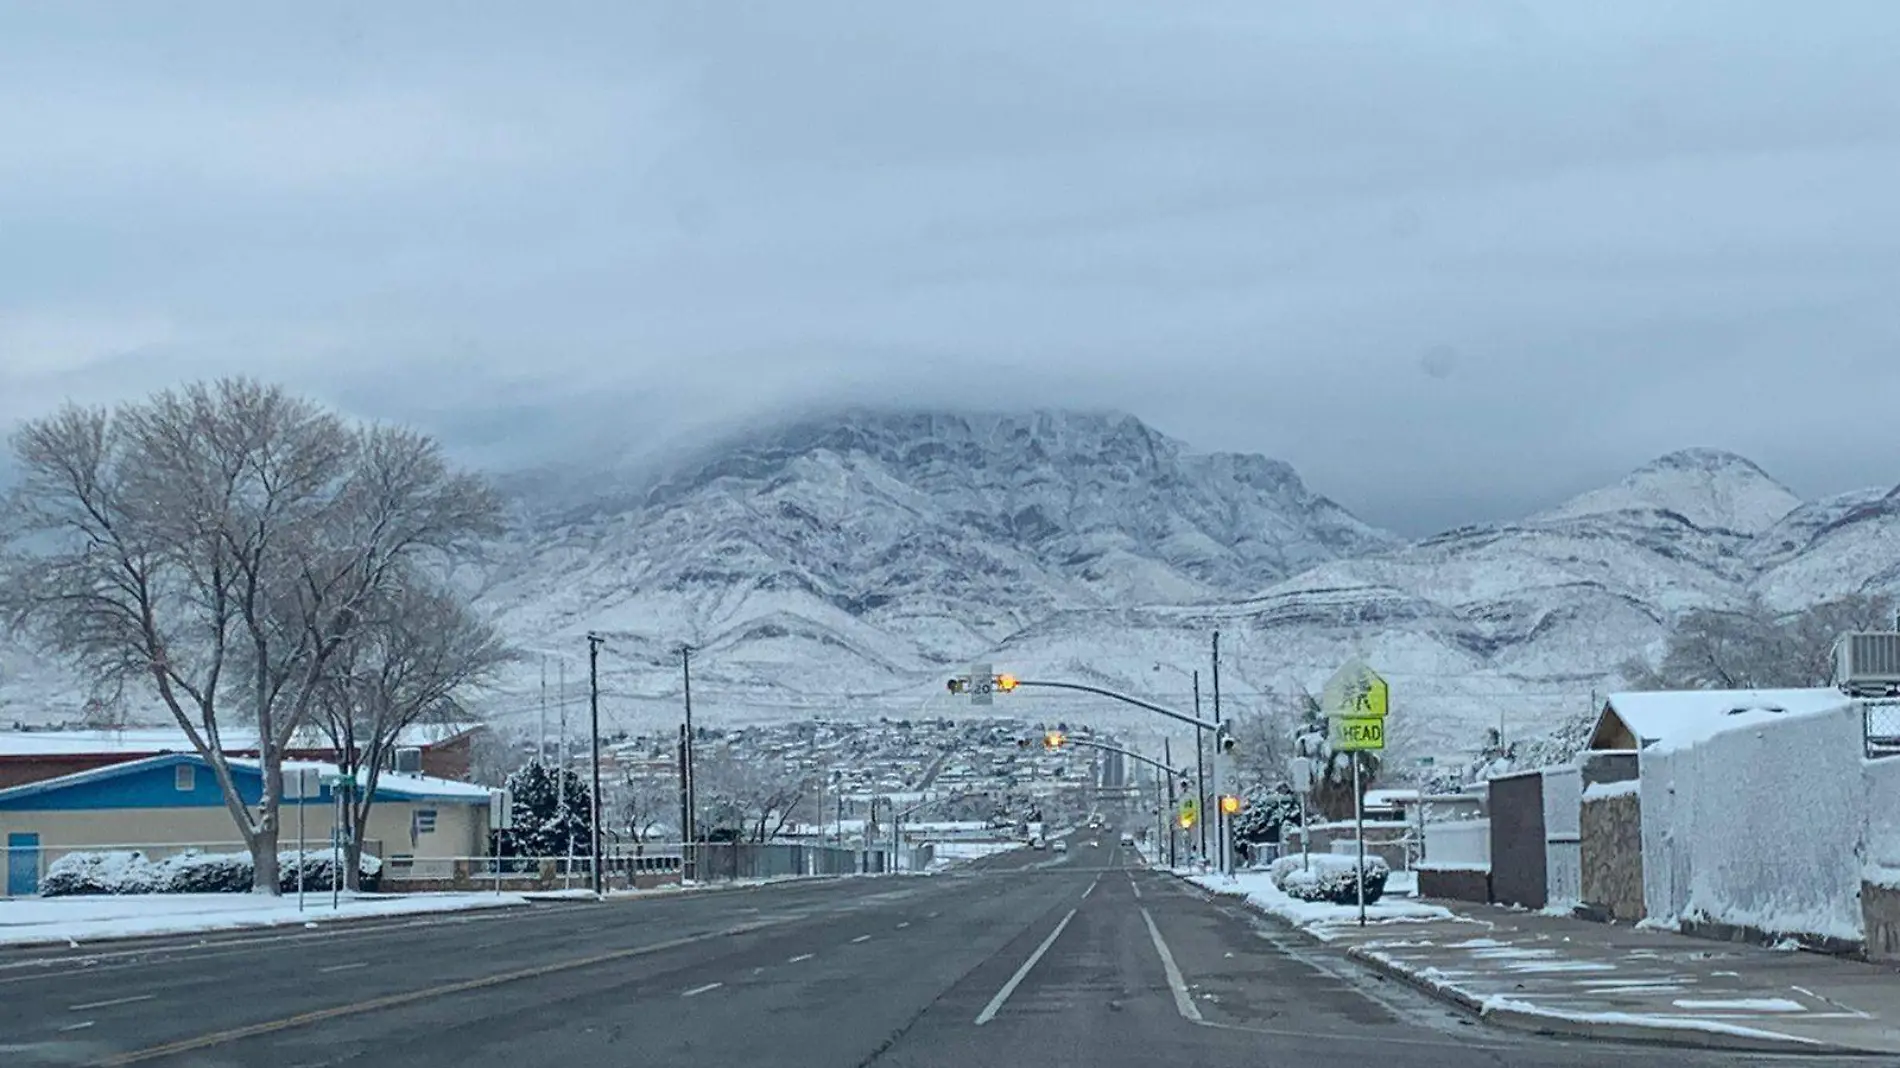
column 1356, row 692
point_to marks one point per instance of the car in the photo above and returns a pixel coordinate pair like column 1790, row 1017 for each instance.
column 1038, row 843
column 1095, row 843
column 1128, row 839
column 1062, row 847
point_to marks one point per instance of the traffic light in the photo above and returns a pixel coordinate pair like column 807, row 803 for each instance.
column 959, row 685
column 1006, row 683
column 1223, row 741
column 1229, row 804
column 1053, row 740
column 1186, row 820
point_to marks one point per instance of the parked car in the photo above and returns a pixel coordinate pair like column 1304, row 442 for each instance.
column 1062, row 847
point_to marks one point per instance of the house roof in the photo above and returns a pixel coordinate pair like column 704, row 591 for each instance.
column 143, row 741
column 1684, row 717
column 390, row 786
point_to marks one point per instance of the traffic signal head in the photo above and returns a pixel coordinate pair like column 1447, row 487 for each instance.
column 958, row 685
column 1005, row 683
column 1229, row 804
column 1224, row 742
column 1052, row 740
column 1186, row 820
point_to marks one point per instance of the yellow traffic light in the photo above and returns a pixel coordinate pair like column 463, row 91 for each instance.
column 1005, row 683
column 1052, row 740
column 1186, row 820
column 1229, row 804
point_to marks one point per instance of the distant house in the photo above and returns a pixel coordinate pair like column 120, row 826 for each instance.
column 165, row 804
column 1638, row 720
column 35, row 756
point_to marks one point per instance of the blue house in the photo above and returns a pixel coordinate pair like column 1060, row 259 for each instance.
column 170, row 803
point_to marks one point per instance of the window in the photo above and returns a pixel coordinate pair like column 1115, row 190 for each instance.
column 185, row 778
column 425, row 821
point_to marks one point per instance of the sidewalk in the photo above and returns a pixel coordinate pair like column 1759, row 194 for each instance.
column 1571, row 976
column 76, row 920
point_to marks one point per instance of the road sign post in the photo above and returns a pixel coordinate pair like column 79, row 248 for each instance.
column 1356, row 701
column 338, row 783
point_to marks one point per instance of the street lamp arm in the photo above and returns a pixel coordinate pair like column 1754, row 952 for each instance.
column 1203, row 724
column 1129, row 753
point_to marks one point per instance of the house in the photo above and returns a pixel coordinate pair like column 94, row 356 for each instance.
column 1638, row 720
column 169, row 803
column 36, row 755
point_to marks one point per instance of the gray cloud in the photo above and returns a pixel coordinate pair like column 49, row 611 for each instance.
column 1453, row 261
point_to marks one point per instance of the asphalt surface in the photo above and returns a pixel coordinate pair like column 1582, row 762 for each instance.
column 1028, row 958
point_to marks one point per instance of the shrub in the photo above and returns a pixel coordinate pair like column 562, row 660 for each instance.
column 190, row 872
column 1331, row 878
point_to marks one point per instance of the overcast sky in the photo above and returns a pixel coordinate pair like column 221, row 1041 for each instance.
column 1453, row 261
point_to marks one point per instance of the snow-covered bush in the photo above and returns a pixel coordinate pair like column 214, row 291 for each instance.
column 190, row 872
column 1330, row 878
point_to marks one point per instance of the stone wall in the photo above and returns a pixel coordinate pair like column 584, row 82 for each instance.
column 1612, row 847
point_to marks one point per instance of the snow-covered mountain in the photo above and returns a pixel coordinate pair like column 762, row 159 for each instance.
column 845, row 565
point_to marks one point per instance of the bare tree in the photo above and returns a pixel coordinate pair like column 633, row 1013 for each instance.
column 219, row 544
column 643, row 804
column 1755, row 647
column 754, row 799
column 416, row 651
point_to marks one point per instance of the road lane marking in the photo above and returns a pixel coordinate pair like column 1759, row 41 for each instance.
column 390, row 1001
column 109, row 1004
column 698, row 990
column 860, row 938
column 345, row 967
column 996, row 1003
column 1091, row 889
column 1182, row 1000
column 78, row 1026
column 903, row 925
column 801, row 956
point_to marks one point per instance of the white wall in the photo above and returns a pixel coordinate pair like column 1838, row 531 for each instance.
column 1458, row 844
column 1759, row 826
column 1563, row 835
column 1881, row 792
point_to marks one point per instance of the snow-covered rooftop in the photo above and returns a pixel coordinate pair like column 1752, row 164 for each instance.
column 142, row 741
column 1675, row 718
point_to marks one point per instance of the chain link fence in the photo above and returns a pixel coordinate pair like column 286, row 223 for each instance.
column 1880, row 727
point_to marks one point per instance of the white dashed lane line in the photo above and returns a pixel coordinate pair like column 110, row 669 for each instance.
column 801, row 956
column 698, row 990
column 860, row 938
column 345, row 967
column 109, row 1004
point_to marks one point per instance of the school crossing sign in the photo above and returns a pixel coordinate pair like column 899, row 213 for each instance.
column 1356, row 701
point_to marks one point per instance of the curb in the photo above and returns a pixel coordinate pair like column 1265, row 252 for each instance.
column 1540, row 1023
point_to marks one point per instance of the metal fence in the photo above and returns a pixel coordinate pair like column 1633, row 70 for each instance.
column 1880, row 727
column 652, row 864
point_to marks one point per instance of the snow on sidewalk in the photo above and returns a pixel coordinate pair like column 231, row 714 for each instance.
column 1562, row 974
column 37, row 921
column 1319, row 919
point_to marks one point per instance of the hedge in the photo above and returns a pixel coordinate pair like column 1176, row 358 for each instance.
column 190, row 872
column 1330, row 877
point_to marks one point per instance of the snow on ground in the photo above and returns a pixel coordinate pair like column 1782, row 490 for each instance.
column 84, row 919
column 1314, row 916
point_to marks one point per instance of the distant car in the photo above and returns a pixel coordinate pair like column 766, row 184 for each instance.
column 1095, row 843
column 1128, row 839
column 1062, row 847
column 1038, row 843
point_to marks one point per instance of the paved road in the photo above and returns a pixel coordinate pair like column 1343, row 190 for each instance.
column 1029, row 958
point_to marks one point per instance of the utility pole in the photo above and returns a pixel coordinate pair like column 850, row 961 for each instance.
column 1220, row 815
column 593, row 702
column 560, row 779
column 1167, row 757
column 692, row 788
column 1200, row 771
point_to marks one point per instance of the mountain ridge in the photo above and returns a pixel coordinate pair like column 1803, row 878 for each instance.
column 839, row 564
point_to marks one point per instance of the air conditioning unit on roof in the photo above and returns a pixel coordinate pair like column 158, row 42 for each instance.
column 1868, row 663
column 409, row 760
